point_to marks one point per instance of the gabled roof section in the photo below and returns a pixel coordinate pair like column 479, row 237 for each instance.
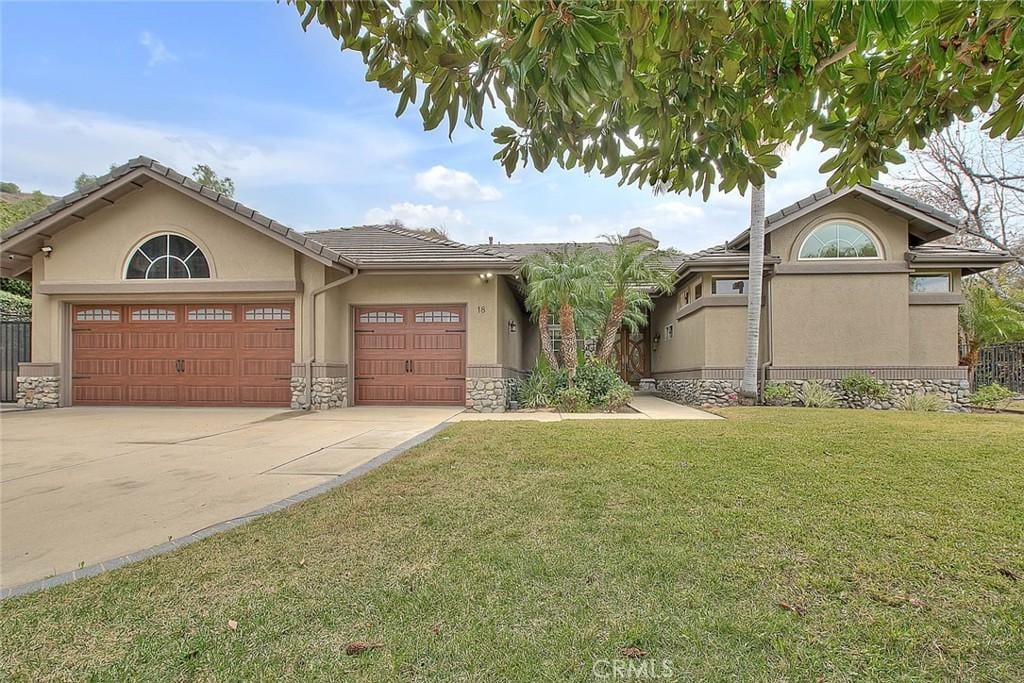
column 926, row 222
column 719, row 257
column 970, row 259
column 24, row 238
column 389, row 247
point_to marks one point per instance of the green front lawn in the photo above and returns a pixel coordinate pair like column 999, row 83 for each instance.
column 780, row 544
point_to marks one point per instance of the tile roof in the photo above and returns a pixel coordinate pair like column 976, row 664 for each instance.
column 521, row 250
column 296, row 239
column 957, row 250
column 386, row 245
column 884, row 190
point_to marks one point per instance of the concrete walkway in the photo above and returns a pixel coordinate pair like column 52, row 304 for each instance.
column 81, row 486
column 648, row 408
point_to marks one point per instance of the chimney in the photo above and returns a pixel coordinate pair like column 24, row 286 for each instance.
column 490, row 239
column 641, row 235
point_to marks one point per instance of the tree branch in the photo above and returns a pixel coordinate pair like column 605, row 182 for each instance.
column 843, row 53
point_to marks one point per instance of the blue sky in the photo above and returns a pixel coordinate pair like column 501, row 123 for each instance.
column 307, row 140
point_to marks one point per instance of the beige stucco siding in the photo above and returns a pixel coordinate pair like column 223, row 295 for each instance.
column 840, row 320
column 511, row 351
column 933, row 339
column 480, row 298
column 98, row 248
column 686, row 348
column 726, row 336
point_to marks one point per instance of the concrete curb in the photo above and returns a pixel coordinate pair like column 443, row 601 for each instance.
column 174, row 544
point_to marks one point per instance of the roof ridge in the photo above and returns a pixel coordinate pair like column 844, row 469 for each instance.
column 176, row 178
column 438, row 240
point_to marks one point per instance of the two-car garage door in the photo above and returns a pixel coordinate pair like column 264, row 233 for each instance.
column 182, row 354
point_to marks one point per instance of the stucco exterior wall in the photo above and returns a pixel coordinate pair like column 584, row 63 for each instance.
column 511, row 351
column 480, row 298
column 686, row 349
column 840, row 319
column 726, row 336
column 931, row 342
column 99, row 247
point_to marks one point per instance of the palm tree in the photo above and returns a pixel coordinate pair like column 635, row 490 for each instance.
column 564, row 281
column 630, row 268
column 539, row 307
column 755, row 272
column 985, row 319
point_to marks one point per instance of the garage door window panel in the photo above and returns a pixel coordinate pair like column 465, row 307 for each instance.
column 210, row 315
column 154, row 315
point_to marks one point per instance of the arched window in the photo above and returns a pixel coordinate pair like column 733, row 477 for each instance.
column 167, row 257
column 840, row 239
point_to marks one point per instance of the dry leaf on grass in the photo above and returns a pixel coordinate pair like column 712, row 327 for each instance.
column 358, row 647
column 795, row 609
column 633, row 652
column 1008, row 574
column 436, row 629
column 232, row 625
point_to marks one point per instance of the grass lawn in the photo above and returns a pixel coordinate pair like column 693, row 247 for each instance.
column 528, row 552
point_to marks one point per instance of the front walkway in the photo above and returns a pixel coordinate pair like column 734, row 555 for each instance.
column 648, row 408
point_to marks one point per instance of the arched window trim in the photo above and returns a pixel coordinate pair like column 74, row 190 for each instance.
column 850, row 221
column 173, row 232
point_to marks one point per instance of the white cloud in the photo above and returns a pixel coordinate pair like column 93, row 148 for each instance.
column 47, row 147
column 449, row 184
column 417, row 215
column 158, row 52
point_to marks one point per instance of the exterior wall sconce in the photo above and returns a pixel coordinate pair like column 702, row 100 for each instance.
column 47, row 250
column 486, row 277
column 512, row 326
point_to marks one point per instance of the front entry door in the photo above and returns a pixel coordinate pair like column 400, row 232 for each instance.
column 633, row 355
column 412, row 355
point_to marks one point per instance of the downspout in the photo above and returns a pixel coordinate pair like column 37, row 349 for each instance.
column 312, row 330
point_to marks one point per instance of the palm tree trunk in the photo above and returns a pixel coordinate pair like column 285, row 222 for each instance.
column 543, row 322
column 567, row 322
column 611, row 329
column 748, row 385
column 970, row 359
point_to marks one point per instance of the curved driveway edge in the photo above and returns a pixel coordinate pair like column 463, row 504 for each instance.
column 174, row 544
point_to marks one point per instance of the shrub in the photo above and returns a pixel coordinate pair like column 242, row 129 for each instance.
column 778, row 394
column 617, row 397
column 865, row 385
column 994, row 396
column 572, row 400
column 540, row 388
column 921, row 402
column 596, row 379
column 816, row 395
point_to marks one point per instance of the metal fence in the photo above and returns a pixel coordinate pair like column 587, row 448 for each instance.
column 15, row 347
column 1002, row 364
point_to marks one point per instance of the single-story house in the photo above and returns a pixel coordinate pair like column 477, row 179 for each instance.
column 150, row 289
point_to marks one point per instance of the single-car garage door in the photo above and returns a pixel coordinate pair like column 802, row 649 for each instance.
column 182, row 354
column 410, row 355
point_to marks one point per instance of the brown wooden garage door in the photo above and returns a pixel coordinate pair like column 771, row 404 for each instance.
column 182, row 354
column 410, row 355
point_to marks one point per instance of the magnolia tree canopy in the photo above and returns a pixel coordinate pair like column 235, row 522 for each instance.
column 684, row 96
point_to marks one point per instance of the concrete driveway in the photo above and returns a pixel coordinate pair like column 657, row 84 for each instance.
column 80, row 486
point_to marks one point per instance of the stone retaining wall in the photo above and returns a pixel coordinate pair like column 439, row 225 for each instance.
column 955, row 391
column 38, row 392
column 299, row 401
column 700, row 392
